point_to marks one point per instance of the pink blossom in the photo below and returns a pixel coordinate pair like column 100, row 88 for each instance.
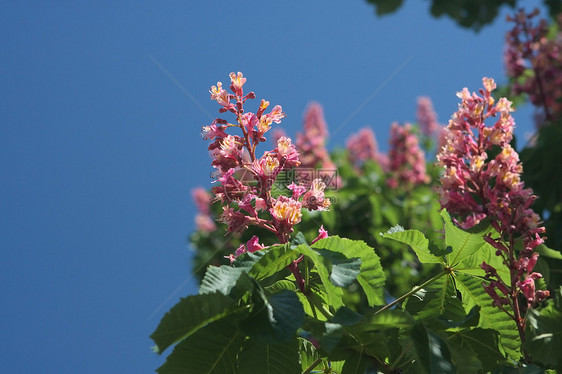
column 363, row 146
column 322, row 234
column 287, row 211
column 236, row 221
column 474, row 187
column 253, row 244
column 220, row 95
column 311, row 143
column 249, row 121
column 202, row 199
column 426, row 117
column 237, row 81
column 287, row 152
column 298, row 190
column 276, row 114
column 205, row 223
column 534, row 62
column 406, row 159
column 230, row 189
column 240, row 250
column 314, row 198
column 212, row 131
column 245, row 202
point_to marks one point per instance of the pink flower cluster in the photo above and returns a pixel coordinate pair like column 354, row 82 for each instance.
column 534, row 61
column 426, row 117
column 311, row 143
column 406, row 158
column 245, row 179
column 203, row 219
column 474, row 187
column 363, row 146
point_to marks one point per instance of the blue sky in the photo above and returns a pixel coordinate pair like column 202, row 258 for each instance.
column 100, row 147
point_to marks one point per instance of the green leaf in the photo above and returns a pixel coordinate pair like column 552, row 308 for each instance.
column 348, row 331
column 188, row 316
column 431, row 351
column 486, row 253
column 355, row 364
column 470, row 320
column 307, row 352
column 462, row 242
column 276, row 318
column 336, row 367
column 438, row 300
column 308, row 301
column 483, row 342
column 274, row 260
column 417, row 241
column 371, row 277
column 544, row 336
column 298, row 240
column 543, row 250
column 386, row 319
column 333, row 293
column 247, row 260
column 279, row 358
column 221, row 279
column 345, row 272
column 211, row 350
column 491, row 317
column 465, row 361
column 279, row 286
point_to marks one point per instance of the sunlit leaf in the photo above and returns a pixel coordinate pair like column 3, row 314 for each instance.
column 371, row 276
column 491, row 317
column 273, row 261
column 417, row 241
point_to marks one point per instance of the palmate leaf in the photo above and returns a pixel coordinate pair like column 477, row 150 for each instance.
column 491, row 317
column 462, row 242
column 439, row 300
column 315, row 297
column 348, row 331
column 544, row 334
column 545, row 251
column 276, row 317
column 432, row 351
column 417, row 241
column 279, row 358
column 486, row 253
column 464, row 359
column 279, row 286
column 371, row 277
column 484, row 343
column 211, row 350
column 308, row 353
column 223, row 279
column 384, row 320
column 345, row 272
column 356, row 364
column 189, row 315
column 275, row 259
column 333, row 293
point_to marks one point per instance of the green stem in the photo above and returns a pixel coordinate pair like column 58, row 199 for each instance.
column 311, row 367
column 413, row 291
column 321, row 307
column 306, row 276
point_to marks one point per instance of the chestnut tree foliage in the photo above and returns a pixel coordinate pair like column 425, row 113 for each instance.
column 441, row 256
